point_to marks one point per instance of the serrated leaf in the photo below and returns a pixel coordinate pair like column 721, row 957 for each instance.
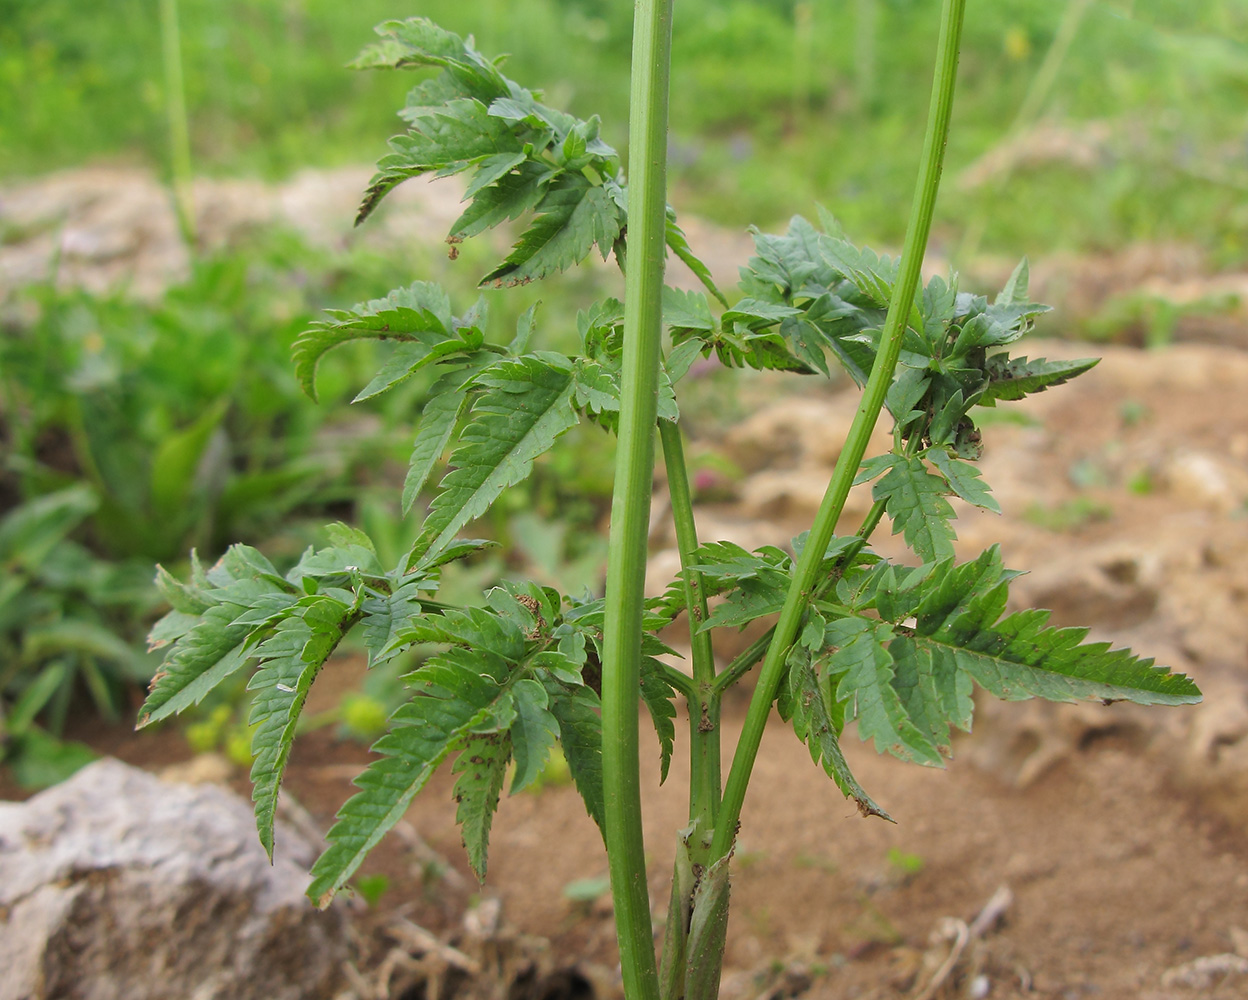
column 964, row 479
column 657, row 694
column 580, row 735
column 411, row 356
column 437, row 423
column 482, row 769
column 183, row 597
column 199, row 660
column 914, row 680
column 491, row 169
column 447, row 140
column 416, row 41
column 394, row 317
column 678, row 243
column 524, row 332
column 385, row 618
column 681, row 358
column 506, row 199
column 526, row 406
column 1023, row 657
column 290, row 660
column 686, row 311
column 861, row 668
column 1015, row 290
column 1013, row 378
column 814, row 724
column 915, row 501
column 574, row 216
column 533, row 732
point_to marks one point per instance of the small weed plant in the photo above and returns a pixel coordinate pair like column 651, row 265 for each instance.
column 896, row 649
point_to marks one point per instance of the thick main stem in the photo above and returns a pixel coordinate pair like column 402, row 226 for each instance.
column 630, row 504
column 899, row 310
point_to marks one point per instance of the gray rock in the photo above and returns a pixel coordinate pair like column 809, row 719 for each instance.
column 118, row 885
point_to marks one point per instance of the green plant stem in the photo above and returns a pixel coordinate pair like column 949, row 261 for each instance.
column 630, row 504
column 804, row 581
column 745, row 660
column 704, row 769
column 175, row 106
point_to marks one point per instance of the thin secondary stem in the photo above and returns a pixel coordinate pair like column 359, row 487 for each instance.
column 704, row 767
column 630, row 504
column 175, row 106
column 899, row 309
column 745, row 660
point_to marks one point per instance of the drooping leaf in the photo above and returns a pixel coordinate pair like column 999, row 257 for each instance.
column 404, row 315
column 815, row 726
column 289, row 662
column 657, row 694
column 580, row 735
column 482, row 769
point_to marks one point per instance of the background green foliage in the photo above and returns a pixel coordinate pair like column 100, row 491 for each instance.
column 776, row 103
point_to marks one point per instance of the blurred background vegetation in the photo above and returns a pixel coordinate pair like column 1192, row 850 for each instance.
column 776, row 103
column 131, row 431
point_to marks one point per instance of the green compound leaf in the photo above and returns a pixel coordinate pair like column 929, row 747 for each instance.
column 910, row 677
column 574, row 216
column 446, row 140
column 453, row 692
column 413, row 43
column 207, row 649
column 526, row 405
column 482, row 769
column 860, row 667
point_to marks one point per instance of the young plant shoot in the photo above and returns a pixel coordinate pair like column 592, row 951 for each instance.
column 895, row 648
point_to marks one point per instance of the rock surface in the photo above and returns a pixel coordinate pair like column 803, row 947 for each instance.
column 118, row 885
